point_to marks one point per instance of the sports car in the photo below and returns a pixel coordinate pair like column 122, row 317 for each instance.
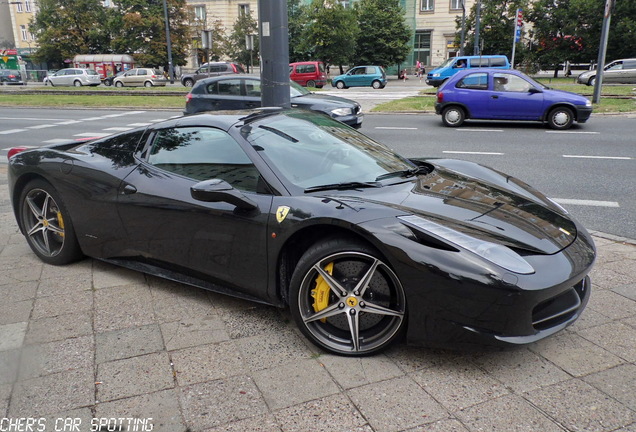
column 295, row 209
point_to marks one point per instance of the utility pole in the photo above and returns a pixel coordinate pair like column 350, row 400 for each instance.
column 600, row 64
column 169, row 42
column 477, row 19
column 463, row 34
column 274, row 46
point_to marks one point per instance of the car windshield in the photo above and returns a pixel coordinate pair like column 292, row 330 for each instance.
column 447, row 63
column 312, row 151
column 297, row 90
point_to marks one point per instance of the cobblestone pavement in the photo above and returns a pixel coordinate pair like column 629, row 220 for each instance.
column 90, row 346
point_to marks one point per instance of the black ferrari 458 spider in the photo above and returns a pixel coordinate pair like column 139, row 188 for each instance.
column 294, row 209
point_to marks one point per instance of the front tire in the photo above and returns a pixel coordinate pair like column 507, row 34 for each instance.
column 592, row 81
column 119, row 84
column 47, row 224
column 340, row 85
column 453, row 116
column 346, row 300
column 560, row 118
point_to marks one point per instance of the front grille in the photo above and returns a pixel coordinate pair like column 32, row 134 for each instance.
column 559, row 309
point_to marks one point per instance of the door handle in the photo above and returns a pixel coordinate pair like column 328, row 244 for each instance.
column 129, row 189
column 494, row 97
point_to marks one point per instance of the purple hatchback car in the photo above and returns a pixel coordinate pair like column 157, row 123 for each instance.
column 495, row 94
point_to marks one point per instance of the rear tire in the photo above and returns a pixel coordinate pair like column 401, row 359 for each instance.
column 311, row 83
column 47, row 225
column 453, row 116
column 77, row 83
column 188, row 82
column 376, row 84
column 147, row 84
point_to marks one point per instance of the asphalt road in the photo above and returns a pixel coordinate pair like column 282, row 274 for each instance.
column 590, row 170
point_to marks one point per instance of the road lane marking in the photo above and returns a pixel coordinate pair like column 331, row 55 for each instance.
column 598, row 157
column 68, row 122
column 11, row 131
column 473, row 153
column 138, row 124
column 56, row 141
column 92, row 118
column 395, row 128
column 92, row 134
column 573, row 132
column 43, row 126
column 120, row 129
column 593, row 203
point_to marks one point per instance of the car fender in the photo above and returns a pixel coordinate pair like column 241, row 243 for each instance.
column 549, row 108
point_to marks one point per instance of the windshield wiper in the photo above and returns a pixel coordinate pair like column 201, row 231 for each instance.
column 343, row 186
column 279, row 133
column 404, row 173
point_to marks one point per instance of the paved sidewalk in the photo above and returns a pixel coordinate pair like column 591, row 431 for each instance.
column 90, row 346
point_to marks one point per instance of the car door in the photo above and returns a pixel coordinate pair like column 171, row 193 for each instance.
column 224, row 94
column 164, row 223
column 356, row 77
column 251, row 90
column 514, row 98
column 472, row 91
column 67, row 78
column 202, row 72
column 613, row 72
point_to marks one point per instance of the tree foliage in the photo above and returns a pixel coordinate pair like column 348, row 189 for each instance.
column 296, row 22
column 139, row 29
column 497, row 24
column 330, row 33
column 384, row 37
column 64, row 28
column 235, row 44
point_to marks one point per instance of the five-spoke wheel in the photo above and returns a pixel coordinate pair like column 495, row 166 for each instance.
column 46, row 224
column 346, row 299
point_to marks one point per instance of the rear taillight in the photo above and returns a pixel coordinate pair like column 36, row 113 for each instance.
column 234, row 69
column 440, row 97
column 188, row 97
column 15, row 150
column 13, row 76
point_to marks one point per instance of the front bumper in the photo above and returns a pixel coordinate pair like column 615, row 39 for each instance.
column 583, row 113
column 435, row 82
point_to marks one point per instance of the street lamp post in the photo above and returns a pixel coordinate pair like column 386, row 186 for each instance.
column 463, row 33
column 477, row 18
column 169, row 43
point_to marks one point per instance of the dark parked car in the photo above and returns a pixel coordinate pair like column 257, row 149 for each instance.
column 108, row 81
column 211, row 70
column 295, row 209
column 495, row 94
column 236, row 93
column 11, row 77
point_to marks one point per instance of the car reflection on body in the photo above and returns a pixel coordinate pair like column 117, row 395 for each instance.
column 294, row 209
column 237, row 93
column 495, row 94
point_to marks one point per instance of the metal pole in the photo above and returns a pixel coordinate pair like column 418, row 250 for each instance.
column 463, row 34
column 274, row 45
column 477, row 18
column 609, row 5
column 169, row 43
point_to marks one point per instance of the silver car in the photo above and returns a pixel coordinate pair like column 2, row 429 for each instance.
column 146, row 77
column 619, row 72
column 73, row 77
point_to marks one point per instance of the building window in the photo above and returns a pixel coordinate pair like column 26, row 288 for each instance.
column 456, row 4
column 27, row 5
column 427, row 5
column 244, row 9
column 25, row 33
column 19, row 6
column 199, row 13
column 422, row 47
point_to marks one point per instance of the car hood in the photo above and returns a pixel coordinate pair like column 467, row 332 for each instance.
column 480, row 202
column 323, row 100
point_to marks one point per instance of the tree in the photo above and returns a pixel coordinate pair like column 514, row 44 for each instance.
column 64, row 28
column 384, row 36
column 235, row 44
column 497, row 23
column 331, row 33
column 140, row 31
column 296, row 22
column 218, row 38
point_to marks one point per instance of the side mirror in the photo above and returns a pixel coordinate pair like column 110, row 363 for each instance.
column 217, row 190
column 534, row 90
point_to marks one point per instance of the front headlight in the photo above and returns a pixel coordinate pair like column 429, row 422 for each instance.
column 493, row 252
column 435, row 75
column 588, row 103
column 342, row 111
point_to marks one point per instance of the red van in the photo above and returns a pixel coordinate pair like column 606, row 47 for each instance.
column 308, row 74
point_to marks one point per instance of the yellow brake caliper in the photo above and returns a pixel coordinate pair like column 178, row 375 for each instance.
column 60, row 223
column 321, row 292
